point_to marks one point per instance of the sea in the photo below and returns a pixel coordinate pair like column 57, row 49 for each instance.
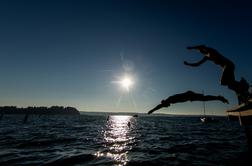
column 112, row 139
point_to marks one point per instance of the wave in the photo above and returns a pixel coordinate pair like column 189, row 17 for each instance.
column 70, row 160
column 44, row 142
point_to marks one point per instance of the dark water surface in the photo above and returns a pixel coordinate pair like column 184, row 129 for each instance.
column 120, row 140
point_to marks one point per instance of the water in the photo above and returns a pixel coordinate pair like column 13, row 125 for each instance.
column 119, row 140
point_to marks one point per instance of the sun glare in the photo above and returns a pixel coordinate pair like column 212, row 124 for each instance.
column 126, row 83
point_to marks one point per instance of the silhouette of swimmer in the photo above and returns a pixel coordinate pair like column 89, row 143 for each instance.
column 187, row 96
column 241, row 87
column 129, row 124
column 213, row 55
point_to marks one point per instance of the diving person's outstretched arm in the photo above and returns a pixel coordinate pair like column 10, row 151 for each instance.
column 203, row 60
column 158, row 107
column 196, row 47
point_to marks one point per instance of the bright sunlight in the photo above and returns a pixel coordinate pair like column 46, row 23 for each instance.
column 126, row 83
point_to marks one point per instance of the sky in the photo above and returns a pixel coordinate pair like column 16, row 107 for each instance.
column 74, row 53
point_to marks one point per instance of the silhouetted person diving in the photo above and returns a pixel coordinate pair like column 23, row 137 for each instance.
column 241, row 87
column 187, row 96
column 213, row 55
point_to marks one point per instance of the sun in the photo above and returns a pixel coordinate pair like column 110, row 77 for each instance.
column 126, row 83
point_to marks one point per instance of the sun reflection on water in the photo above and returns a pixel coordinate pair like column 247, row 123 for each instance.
column 118, row 138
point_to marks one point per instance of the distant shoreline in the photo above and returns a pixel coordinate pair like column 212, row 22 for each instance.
column 53, row 110
column 145, row 114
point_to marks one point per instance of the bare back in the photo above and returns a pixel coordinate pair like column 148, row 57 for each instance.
column 215, row 56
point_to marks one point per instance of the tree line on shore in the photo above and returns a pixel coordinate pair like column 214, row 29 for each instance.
column 53, row 110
